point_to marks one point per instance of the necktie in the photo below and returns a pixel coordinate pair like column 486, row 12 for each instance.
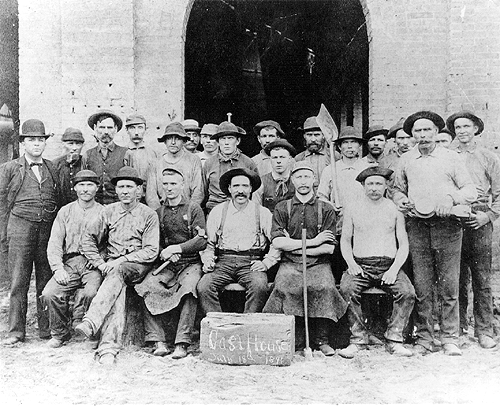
column 36, row 168
column 281, row 187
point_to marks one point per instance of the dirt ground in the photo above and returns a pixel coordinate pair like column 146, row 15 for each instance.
column 33, row 373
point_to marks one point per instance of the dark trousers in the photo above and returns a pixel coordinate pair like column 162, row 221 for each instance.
column 184, row 314
column 318, row 332
column 476, row 263
column 233, row 269
column 435, row 246
column 27, row 245
column 55, row 296
column 403, row 294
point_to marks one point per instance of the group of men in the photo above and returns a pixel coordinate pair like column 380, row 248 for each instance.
column 179, row 225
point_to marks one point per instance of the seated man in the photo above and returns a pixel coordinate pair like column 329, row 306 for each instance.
column 130, row 233
column 305, row 211
column 182, row 236
column 375, row 246
column 239, row 232
column 66, row 262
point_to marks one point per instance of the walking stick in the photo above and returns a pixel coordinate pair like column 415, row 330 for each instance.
column 307, row 350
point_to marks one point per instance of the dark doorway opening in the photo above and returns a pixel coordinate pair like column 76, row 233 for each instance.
column 271, row 59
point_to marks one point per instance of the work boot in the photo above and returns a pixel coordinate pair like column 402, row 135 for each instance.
column 11, row 340
column 84, row 329
column 420, row 350
column 326, row 349
column 450, row 349
column 180, row 351
column 161, row 349
column 486, row 342
column 58, row 342
column 397, row 349
column 350, row 351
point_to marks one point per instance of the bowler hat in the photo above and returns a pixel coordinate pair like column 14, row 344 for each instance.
column 104, row 114
column 173, row 129
column 282, row 144
column 424, row 114
column 86, row 175
column 228, row 129
column 310, row 124
column 33, row 128
column 135, row 118
column 268, row 123
column 301, row 165
column 349, row 133
column 72, row 134
column 450, row 122
column 226, row 178
column 172, row 169
column 127, row 173
column 191, row 125
column 371, row 171
column 209, row 129
column 394, row 129
column 375, row 130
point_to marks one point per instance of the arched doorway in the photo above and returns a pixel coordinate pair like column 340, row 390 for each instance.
column 269, row 59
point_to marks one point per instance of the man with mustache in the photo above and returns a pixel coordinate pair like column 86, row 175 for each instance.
column 66, row 262
column 239, row 232
column 29, row 200
column 210, row 145
column 106, row 158
column 404, row 143
column 266, row 131
column 122, row 243
column 69, row 164
column 484, row 167
column 192, row 129
column 375, row 139
column 175, row 138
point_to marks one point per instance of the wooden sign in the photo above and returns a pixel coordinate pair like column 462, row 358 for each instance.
column 248, row 339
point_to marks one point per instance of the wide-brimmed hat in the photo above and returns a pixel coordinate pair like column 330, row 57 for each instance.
column 282, row 144
column 466, row 114
column 191, row 125
column 173, row 129
column 226, row 178
column 375, row 130
column 86, row 175
column 311, row 123
column 72, row 134
column 268, row 123
column 424, row 114
column 127, row 173
column 301, row 165
column 394, row 129
column 33, row 128
column 228, row 129
column 372, row 171
column 349, row 133
column 104, row 114
column 135, row 118
column 209, row 129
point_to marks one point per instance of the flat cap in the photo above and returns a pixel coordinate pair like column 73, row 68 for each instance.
column 268, row 123
column 127, row 173
column 424, row 114
column 466, row 114
column 135, row 118
column 86, row 175
column 72, row 134
column 372, row 171
column 301, row 165
column 172, row 169
column 282, row 143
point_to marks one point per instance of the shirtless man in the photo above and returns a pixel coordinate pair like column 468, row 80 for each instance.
column 375, row 258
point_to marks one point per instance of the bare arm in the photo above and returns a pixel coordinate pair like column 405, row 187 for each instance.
column 353, row 268
column 390, row 275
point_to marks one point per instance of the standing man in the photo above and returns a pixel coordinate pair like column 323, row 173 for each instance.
column 210, row 145
column 182, row 237
column 429, row 180
column 444, row 138
column 266, row 131
column 228, row 135
column 106, row 158
column 277, row 185
column 404, row 143
column 239, row 232
column 68, row 165
column 178, row 157
column 192, row 129
column 375, row 246
column 484, row 169
column 29, row 199
column 325, row 303
column 66, row 262
column 375, row 139
column 129, row 232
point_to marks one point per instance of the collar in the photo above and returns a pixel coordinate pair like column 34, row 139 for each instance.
column 181, row 203
column 28, row 161
column 133, row 146
column 434, row 153
column 122, row 210
column 469, row 149
column 352, row 165
column 232, row 209
column 296, row 201
column 111, row 146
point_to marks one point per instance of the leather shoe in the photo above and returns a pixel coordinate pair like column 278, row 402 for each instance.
column 397, row 349
column 326, row 349
column 11, row 340
column 420, row 350
column 161, row 349
column 486, row 342
column 107, row 359
column 180, row 351
column 450, row 349
column 350, row 351
column 56, row 342
column 84, row 329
